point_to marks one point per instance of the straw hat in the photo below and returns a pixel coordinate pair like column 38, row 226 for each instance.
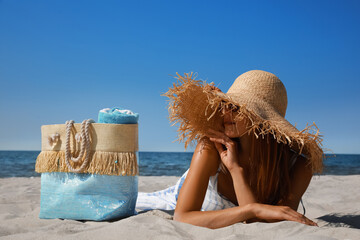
column 257, row 95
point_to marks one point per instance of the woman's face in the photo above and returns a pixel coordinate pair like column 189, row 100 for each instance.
column 234, row 129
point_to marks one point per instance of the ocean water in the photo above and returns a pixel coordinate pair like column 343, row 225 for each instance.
column 22, row 163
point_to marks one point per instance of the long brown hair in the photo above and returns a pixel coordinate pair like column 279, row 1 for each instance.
column 269, row 166
column 269, row 170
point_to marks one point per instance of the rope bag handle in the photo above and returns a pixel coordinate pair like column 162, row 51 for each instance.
column 84, row 148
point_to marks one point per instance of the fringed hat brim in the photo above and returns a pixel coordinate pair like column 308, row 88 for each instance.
column 196, row 107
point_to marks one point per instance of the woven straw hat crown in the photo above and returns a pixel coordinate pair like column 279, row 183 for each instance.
column 260, row 86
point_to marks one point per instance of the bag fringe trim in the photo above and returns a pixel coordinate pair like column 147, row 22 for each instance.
column 307, row 142
column 104, row 163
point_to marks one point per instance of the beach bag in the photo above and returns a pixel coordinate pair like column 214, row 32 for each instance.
column 89, row 171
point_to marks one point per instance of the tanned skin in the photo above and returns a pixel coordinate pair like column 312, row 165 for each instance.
column 233, row 184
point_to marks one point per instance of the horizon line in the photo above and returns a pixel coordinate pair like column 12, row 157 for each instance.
column 185, row 151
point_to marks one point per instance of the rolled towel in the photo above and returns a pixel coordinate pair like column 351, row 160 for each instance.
column 118, row 116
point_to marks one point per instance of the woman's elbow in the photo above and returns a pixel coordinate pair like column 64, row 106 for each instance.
column 178, row 216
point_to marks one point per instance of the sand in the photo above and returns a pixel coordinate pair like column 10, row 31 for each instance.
column 331, row 201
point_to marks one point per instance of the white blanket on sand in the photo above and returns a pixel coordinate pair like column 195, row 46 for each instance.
column 166, row 199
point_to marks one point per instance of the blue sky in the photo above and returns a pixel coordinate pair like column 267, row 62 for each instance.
column 62, row 60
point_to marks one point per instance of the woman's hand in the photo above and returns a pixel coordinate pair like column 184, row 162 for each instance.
column 230, row 157
column 271, row 213
column 227, row 148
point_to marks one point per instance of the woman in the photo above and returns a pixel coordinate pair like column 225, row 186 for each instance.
column 250, row 164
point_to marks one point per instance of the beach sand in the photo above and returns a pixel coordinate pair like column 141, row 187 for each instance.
column 331, row 201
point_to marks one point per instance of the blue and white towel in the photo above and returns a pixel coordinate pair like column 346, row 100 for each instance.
column 166, row 199
column 118, row 116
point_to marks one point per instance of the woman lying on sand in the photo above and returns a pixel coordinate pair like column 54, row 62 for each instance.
column 250, row 164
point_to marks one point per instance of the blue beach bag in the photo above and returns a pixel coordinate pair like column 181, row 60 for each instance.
column 89, row 171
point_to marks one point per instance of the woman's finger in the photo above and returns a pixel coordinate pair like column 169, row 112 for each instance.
column 218, row 140
column 219, row 148
column 287, row 215
column 292, row 213
column 215, row 138
column 304, row 219
column 308, row 221
column 228, row 143
column 280, row 213
column 297, row 217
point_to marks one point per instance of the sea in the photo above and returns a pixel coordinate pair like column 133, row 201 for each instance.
column 22, row 163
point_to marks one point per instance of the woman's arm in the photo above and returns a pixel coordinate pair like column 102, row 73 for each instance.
column 215, row 219
column 243, row 192
column 204, row 164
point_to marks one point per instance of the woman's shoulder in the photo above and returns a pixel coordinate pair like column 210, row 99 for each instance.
column 206, row 158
